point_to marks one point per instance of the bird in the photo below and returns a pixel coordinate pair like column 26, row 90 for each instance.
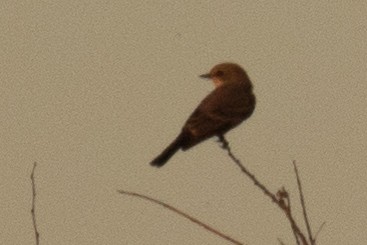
column 230, row 103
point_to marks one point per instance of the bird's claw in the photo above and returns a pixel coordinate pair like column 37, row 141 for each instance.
column 223, row 141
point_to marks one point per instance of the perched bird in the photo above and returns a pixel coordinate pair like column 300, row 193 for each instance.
column 230, row 103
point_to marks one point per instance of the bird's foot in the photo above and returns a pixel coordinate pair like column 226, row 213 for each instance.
column 223, row 140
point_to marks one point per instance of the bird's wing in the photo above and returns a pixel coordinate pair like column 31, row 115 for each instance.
column 219, row 111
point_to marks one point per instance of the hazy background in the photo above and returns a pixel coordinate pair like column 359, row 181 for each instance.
column 93, row 90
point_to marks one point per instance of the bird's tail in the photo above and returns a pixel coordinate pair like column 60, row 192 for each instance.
column 161, row 159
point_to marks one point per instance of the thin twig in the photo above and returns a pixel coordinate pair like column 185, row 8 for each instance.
column 281, row 242
column 273, row 197
column 228, row 238
column 289, row 209
column 312, row 240
column 319, row 230
column 36, row 233
column 294, row 225
column 225, row 146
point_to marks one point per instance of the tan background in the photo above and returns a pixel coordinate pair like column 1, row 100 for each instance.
column 93, row 90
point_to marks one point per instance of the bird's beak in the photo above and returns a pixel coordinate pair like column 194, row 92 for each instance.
column 206, row 76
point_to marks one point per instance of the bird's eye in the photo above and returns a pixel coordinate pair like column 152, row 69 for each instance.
column 219, row 73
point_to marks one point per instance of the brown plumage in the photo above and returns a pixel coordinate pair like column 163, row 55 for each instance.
column 229, row 104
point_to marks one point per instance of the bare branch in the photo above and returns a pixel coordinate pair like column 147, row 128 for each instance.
column 281, row 242
column 36, row 233
column 283, row 194
column 319, row 230
column 310, row 237
column 280, row 202
column 165, row 205
column 225, row 145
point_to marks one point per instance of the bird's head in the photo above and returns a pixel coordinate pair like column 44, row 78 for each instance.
column 226, row 73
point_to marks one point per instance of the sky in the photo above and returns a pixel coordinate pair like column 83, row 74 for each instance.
column 93, row 90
